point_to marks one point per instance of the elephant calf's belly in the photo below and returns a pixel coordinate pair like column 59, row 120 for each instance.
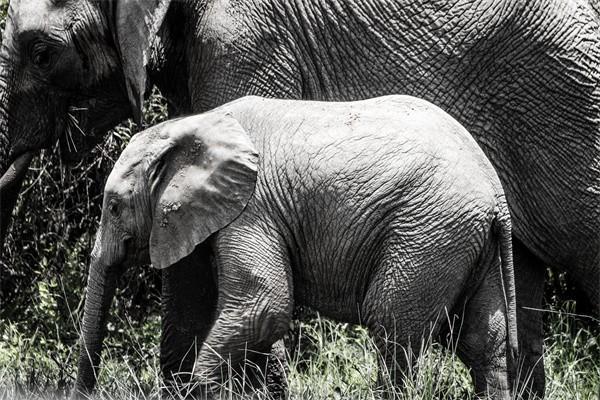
column 331, row 302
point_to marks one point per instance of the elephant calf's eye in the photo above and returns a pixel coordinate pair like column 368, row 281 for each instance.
column 113, row 208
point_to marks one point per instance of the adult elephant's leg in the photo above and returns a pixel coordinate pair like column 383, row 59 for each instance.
column 188, row 303
column 587, row 289
column 529, row 280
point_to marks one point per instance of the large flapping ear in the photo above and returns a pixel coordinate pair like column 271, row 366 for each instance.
column 200, row 180
column 136, row 23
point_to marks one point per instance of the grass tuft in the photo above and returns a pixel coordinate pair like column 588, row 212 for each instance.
column 336, row 361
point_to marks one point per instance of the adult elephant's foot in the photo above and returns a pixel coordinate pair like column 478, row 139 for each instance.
column 529, row 280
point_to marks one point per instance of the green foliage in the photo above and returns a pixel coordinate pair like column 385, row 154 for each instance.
column 572, row 355
column 44, row 272
column 341, row 362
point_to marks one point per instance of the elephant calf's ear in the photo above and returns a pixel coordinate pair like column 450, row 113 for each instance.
column 205, row 182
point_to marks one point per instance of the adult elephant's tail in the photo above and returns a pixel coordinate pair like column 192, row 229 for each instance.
column 502, row 226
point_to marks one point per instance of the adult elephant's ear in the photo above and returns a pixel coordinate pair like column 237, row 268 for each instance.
column 136, row 23
column 200, row 180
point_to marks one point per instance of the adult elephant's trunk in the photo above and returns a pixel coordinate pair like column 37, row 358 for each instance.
column 27, row 124
column 10, row 185
column 101, row 286
column 13, row 167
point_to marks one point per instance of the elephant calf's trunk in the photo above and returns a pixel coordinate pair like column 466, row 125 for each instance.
column 101, row 287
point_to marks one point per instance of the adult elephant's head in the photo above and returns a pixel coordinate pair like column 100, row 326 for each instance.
column 68, row 67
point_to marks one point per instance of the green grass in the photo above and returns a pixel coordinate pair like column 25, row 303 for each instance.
column 340, row 362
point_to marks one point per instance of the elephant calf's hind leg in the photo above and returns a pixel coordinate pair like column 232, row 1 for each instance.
column 484, row 344
column 394, row 315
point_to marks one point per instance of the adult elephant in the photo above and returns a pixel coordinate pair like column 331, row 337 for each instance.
column 522, row 76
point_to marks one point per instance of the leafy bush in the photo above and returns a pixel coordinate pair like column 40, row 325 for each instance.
column 44, row 269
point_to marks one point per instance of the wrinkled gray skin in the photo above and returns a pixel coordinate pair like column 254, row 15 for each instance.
column 383, row 212
column 521, row 76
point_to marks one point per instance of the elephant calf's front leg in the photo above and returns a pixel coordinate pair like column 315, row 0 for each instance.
column 254, row 311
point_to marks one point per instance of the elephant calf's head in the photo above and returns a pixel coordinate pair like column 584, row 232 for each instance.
column 174, row 186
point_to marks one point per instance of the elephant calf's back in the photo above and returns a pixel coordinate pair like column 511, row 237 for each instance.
column 392, row 178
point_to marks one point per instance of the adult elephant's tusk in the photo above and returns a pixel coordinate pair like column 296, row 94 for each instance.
column 15, row 172
column 10, row 185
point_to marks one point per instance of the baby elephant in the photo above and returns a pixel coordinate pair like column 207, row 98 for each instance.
column 381, row 212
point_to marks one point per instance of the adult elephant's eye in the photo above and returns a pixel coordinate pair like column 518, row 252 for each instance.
column 41, row 55
column 113, row 208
